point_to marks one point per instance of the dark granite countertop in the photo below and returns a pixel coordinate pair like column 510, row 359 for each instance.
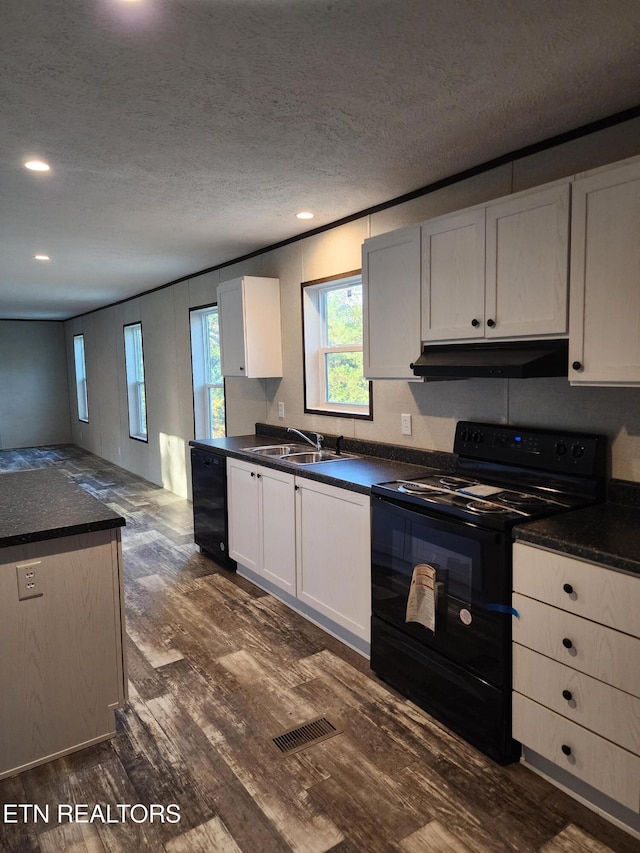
column 376, row 463
column 608, row 534
column 46, row 504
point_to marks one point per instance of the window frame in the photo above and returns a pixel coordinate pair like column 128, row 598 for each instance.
column 315, row 349
column 200, row 372
column 136, row 408
column 82, row 396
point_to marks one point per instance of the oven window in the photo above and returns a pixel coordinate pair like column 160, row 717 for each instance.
column 453, row 568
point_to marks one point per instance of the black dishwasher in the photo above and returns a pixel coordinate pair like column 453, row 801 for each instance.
column 209, row 479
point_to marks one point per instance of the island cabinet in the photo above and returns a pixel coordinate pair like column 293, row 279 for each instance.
column 391, row 303
column 250, row 327
column 306, row 539
column 62, row 640
column 576, row 678
column 262, row 521
column 498, row 271
column 604, row 339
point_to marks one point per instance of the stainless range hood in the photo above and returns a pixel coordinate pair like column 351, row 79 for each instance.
column 503, row 360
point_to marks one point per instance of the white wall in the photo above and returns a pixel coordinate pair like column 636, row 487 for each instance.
column 34, row 392
column 436, row 407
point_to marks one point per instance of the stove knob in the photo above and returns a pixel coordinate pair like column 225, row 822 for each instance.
column 477, row 437
column 465, row 435
column 561, row 448
column 577, row 450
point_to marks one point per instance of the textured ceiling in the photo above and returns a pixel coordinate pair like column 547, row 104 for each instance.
column 185, row 133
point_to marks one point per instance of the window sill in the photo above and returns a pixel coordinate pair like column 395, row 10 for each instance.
column 339, row 413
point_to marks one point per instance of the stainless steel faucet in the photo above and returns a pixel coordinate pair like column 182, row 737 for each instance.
column 317, row 443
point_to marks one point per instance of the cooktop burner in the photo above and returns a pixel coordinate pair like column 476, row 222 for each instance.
column 522, row 499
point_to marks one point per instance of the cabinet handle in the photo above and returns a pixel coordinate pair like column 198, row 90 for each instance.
column 567, row 643
column 566, row 749
column 253, row 474
column 491, row 323
column 241, row 368
column 475, row 323
column 568, row 695
column 567, row 588
column 296, row 488
column 577, row 365
column 259, row 475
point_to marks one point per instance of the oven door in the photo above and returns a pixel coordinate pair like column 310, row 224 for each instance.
column 471, row 567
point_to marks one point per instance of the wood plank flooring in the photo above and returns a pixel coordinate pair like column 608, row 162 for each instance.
column 217, row 668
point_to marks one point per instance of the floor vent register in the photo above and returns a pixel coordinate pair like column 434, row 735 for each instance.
column 306, row 735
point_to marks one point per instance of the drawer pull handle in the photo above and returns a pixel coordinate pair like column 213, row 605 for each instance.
column 567, row 588
column 567, row 643
column 566, row 749
column 568, row 695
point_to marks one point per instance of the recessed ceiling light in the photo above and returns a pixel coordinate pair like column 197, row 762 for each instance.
column 42, row 258
column 305, row 214
column 37, row 166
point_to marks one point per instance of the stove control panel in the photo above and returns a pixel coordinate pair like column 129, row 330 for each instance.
column 549, row 450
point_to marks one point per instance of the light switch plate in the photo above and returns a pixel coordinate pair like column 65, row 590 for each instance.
column 280, row 410
column 405, row 421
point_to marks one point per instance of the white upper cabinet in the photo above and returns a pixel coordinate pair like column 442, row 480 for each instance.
column 250, row 327
column 604, row 328
column 391, row 303
column 527, row 264
column 498, row 271
column 453, row 277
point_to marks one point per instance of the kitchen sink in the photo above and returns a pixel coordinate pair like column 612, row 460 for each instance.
column 276, row 449
column 309, row 458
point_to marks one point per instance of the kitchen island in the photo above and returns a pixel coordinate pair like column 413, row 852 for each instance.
column 62, row 666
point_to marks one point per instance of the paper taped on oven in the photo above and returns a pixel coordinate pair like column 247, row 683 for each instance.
column 421, row 604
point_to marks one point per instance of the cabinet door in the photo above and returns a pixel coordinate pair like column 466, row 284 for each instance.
column 604, row 338
column 244, row 514
column 232, row 330
column 334, row 564
column 453, row 277
column 527, row 245
column 278, row 528
column 391, row 303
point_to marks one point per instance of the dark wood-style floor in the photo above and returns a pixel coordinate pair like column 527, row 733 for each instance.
column 217, row 668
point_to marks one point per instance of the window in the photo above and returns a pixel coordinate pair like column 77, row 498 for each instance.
column 136, row 391
column 332, row 317
column 208, row 383
column 81, row 378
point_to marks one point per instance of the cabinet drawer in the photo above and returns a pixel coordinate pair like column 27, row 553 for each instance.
column 596, row 761
column 607, row 655
column 597, row 593
column 596, row 706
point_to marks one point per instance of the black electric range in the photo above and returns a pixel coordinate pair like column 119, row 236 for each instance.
column 449, row 537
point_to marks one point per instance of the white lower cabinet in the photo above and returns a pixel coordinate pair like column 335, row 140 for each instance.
column 576, row 671
column 262, row 521
column 307, row 538
column 334, row 562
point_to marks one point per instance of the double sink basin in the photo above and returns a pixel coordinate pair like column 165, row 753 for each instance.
column 297, row 454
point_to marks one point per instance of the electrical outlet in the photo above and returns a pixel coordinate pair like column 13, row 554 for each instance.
column 29, row 585
column 405, row 421
column 280, row 410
